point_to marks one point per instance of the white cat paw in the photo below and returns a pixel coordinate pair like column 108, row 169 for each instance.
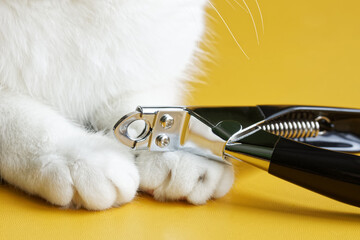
column 92, row 173
column 183, row 176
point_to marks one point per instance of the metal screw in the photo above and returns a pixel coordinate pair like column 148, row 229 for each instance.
column 162, row 140
column 167, row 121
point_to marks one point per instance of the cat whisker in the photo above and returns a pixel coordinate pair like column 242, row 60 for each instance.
column 261, row 16
column 241, row 6
column 253, row 20
column 230, row 4
column 228, row 28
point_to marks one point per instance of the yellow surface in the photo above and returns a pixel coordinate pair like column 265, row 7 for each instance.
column 308, row 54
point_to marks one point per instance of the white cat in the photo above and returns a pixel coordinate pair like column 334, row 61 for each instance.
column 68, row 71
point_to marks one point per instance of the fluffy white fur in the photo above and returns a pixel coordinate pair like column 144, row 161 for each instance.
column 70, row 66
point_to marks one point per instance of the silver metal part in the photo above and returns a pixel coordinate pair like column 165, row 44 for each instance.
column 122, row 134
column 162, row 141
column 248, row 158
column 171, row 129
column 167, row 121
column 293, row 128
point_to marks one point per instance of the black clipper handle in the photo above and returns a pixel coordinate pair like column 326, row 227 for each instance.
column 333, row 174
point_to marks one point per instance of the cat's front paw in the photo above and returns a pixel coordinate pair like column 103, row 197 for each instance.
column 183, row 176
column 92, row 173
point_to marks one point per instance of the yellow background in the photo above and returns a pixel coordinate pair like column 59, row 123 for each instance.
column 308, row 54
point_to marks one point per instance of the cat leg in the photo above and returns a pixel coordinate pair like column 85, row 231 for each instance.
column 47, row 155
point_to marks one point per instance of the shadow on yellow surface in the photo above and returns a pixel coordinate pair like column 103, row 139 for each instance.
column 239, row 198
column 259, row 206
column 308, row 54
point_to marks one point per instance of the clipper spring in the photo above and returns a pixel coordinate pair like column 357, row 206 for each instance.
column 298, row 128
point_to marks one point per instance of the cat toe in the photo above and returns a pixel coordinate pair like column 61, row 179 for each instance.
column 103, row 181
column 213, row 184
column 93, row 173
column 53, row 181
column 183, row 176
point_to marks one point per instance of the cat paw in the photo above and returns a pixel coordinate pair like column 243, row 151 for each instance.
column 92, row 173
column 183, row 176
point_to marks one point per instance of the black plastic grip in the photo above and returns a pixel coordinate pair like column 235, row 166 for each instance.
column 333, row 174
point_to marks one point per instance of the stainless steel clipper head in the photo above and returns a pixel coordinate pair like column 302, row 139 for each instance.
column 171, row 129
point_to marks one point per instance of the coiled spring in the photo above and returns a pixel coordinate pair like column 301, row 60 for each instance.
column 300, row 128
